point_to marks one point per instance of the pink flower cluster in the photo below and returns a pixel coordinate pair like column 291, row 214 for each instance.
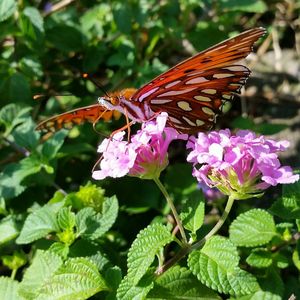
column 145, row 156
column 244, row 164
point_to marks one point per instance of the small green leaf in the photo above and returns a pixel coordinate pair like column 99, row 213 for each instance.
column 113, row 277
column 9, row 289
column 260, row 295
column 52, row 145
column 60, row 249
column 65, row 218
column 9, row 229
column 180, row 283
column 144, row 248
column 254, row 6
column 128, row 291
column 35, row 17
column 216, row 266
column 122, row 16
column 288, row 206
column 37, row 225
column 192, row 214
column 78, row 278
column 15, row 261
column 7, row 9
column 25, row 135
column 19, row 89
column 43, row 266
column 12, row 115
column 253, row 228
column 65, row 38
column 92, row 225
column 260, row 258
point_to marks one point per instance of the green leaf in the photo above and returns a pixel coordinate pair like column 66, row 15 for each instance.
column 260, row 295
column 272, row 281
column 216, row 266
column 128, row 291
column 192, row 214
column 254, row 6
column 7, row 9
column 288, row 206
column 37, row 225
column 12, row 115
column 26, row 136
column 19, row 89
column 113, row 277
column 35, row 17
column 253, row 228
column 52, row 145
column 180, row 283
column 92, row 225
column 144, row 248
column 66, row 218
column 65, row 38
column 260, row 258
column 15, row 261
column 60, row 249
column 78, row 278
column 122, row 16
column 43, row 266
column 9, row 229
column 9, row 289
column 13, row 175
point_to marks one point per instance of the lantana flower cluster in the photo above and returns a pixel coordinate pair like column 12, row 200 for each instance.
column 145, row 156
column 243, row 164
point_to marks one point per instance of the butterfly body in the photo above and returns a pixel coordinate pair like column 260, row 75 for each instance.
column 192, row 92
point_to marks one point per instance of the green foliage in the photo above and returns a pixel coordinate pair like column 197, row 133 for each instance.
column 64, row 237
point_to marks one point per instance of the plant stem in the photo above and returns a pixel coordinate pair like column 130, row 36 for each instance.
column 187, row 248
column 218, row 225
column 171, row 204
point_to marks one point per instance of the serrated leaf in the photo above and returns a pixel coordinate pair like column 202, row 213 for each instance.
column 287, row 207
column 180, row 283
column 60, row 249
column 37, row 225
column 65, row 218
column 78, row 278
column 260, row 258
column 252, row 228
column 9, row 289
column 9, row 229
column 7, row 9
column 216, row 266
column 192, row 214
column 43, row 266
column 128, row 291
column 260, row 295
column 92, row 225
column 144, row 248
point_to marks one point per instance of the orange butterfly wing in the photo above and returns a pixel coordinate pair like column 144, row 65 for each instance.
column 91, row 113
column 193, row 92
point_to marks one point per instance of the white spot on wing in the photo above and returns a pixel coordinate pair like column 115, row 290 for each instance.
column 208, row 110
column 184, row 105
column 202, row 98
column 160, row 101
column 197, row 80
column 148, row 93
column 199, row 122
column 174, row 120
column 222, row 75
column 209, row 91
column 227, row 97
column 188, row 121
column 174, row 93
column 172, row 84
column 236, row 68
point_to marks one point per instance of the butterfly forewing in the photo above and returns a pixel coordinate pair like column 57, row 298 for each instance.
column 91, row 113
column 192, row 92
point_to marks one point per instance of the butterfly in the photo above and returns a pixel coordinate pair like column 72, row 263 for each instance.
column 192, row 92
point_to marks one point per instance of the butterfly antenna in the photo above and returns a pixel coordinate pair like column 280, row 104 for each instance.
column 96, row 82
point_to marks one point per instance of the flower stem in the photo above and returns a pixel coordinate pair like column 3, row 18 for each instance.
column 171, row 204
column 218, row 225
